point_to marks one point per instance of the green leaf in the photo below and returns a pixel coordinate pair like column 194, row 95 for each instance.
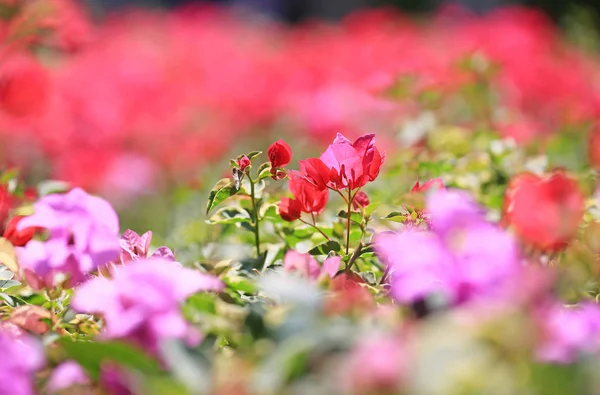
column 355, row 217
column 370, row 208
column 9, row 175
column 230, row 215
column 203, row 302
column 264, row 171
column 222, row 190
column 253, row 154
column 92, row 355
column 326, row 248
column 242, row 284
column 396, row 216
column 270, row 212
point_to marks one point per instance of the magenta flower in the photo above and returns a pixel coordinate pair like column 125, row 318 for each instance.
column 307, row 266
column 83, row 235
column 569, row 331
column 352, row 165
column 21, row 358
column 135, row 247
column 462, row 257
column 66, row 375
column 141, row 303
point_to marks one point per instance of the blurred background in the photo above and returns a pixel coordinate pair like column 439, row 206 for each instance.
column 144, row 102
column 297, row 10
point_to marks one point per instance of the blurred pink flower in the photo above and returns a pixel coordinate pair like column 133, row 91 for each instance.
column 462, row 257
column 377, row 364
column 141, row 303
column 66, row 375
column 307, row 266
column 567, row 332
column 83, row 235
column 21, row 358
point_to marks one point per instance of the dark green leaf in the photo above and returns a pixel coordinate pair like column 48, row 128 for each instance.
column 355, row 217
column 224, row 189
column 326, row 248
column 396, row 216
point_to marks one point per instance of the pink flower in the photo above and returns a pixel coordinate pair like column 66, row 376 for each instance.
column 352, row 165
column 83, row 236
column 141, row 303
column 376, row 365
column 21, row 358
column 307, row 266
column 568, row 331
column 462, row 257
column 66, row 375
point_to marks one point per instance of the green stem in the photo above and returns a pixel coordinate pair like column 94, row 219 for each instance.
column 349, row 219
column 354, row 257
column 255, row 219
column 316, row 227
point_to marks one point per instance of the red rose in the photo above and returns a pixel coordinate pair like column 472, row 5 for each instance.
column 243, row 162
column 545, row 212
column 308, row 198
column 290, row 209
column 360, row 200
column 280, row 154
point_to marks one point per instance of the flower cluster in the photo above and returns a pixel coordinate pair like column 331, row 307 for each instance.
column 344, row 165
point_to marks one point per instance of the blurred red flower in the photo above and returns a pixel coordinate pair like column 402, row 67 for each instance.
column 24, row 86
column 545, row 212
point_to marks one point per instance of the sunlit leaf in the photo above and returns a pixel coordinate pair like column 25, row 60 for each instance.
column 224, row 189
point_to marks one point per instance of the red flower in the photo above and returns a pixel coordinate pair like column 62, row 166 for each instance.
column 290, row 209
column 316, row 171
column 544, row 211
column 360, row 200
column 352, row 165
column 24, row 86
column 280, row 155
column 18, row 237
column 243, row 162
column 435, row 183
column 308, row 198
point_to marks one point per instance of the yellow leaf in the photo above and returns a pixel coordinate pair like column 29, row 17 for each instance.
column 8, row 256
